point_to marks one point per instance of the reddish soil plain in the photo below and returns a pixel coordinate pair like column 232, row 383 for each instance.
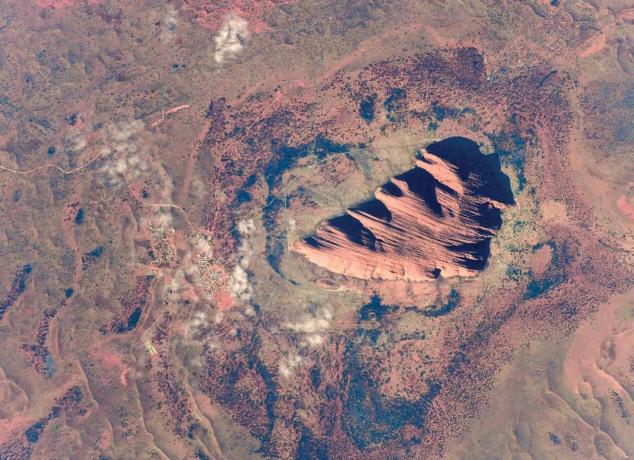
column 316, row 229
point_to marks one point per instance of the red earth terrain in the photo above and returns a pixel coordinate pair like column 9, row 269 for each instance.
column 316, row 229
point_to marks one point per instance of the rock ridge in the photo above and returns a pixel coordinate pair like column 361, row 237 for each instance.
column 436, row 219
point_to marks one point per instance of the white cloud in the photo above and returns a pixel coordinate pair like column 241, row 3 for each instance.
column 203, row 246
column 169, row 24
column 75, row 141
column 240, row 286
column 288, row 364
column 197, row 323
column 121, row 152
column 314, row 340
column 231, row 38
column 312, row 325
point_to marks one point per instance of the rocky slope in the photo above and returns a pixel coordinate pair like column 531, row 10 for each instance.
column 435, row 219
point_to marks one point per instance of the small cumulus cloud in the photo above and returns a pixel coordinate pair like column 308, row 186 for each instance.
column 75, row 141
column 288, row 364
column 314, row 340
column 240, row 285
column 313, row 326
column 197, row 324
column 202, row 244
column 231, row 38
column 169, row 24
column 122, row 160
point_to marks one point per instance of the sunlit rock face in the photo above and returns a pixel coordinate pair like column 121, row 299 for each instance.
column 435, row 219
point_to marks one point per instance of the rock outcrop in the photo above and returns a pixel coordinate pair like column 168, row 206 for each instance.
column 435, row 219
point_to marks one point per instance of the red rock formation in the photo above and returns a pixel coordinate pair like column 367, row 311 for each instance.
column 437, row 218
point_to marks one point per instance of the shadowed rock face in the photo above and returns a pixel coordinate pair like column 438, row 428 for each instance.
column 437, row 218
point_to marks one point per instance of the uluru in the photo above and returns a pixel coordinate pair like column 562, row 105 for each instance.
column 435, row 219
